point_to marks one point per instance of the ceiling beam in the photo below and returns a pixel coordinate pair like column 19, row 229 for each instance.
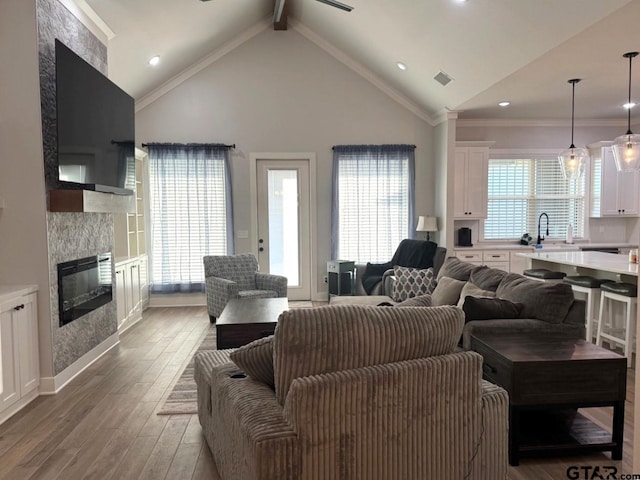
column 280, row 13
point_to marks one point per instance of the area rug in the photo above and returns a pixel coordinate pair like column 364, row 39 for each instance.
column 183, row 399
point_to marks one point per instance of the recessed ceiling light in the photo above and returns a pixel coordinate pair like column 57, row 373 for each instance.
column 401, row 66
column 629, row 105
column 504, row 104
column 155, row 60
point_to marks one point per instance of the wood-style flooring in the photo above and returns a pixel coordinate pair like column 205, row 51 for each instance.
column 104, row 425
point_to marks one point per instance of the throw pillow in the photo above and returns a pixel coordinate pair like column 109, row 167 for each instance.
column 545, row 301
column 490, row 308
column 411, row 282
column 487, row 278
column 256, row 359
column 472, row 290
column 453, row 267
column 447, row 291
column 419, row 301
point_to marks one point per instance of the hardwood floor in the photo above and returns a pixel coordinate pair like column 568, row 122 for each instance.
column 104, row 424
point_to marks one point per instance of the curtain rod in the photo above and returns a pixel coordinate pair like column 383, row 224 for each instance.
column 376, row 146
column 145, row 145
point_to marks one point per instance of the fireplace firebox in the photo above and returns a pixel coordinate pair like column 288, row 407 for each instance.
column 84, row 285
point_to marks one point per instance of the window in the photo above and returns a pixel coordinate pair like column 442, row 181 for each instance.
column 373, row 200
column 519, row 190
column 191, row 217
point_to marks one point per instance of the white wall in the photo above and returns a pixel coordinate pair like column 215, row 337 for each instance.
column 279, row 92
column 23, row 233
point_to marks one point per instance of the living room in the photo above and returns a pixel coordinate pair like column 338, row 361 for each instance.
column 275, row 91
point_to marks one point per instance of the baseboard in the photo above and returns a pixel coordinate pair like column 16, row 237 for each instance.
column 178, row 300
column 19, row 405
column 52, row 385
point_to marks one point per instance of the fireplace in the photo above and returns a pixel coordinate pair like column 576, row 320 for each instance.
column 84, row 285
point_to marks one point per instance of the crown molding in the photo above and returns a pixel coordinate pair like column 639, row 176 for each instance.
column 522, row 122
column 445, row 115
column 203, row 63
column 89, row 18
column 361, row 70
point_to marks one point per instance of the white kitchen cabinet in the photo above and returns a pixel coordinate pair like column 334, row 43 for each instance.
column 19, row 349
column 470, row 256
column 496, row 259
column 613, row 193
column 132, row 290
column 470, row 182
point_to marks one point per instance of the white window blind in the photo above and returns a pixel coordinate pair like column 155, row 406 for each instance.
column 375, row 202
column 189, row 215
column 519, row 190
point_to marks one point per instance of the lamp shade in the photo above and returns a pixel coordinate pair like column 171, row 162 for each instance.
column 626, row 148
column 626, row 152
column 573, row 161
column 427, row 224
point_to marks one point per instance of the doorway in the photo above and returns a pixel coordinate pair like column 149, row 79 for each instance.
column 282, row 206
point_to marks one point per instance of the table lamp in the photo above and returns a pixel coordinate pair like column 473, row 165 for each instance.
column 427, row 224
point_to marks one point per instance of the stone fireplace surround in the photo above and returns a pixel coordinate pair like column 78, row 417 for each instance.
column 70, row 235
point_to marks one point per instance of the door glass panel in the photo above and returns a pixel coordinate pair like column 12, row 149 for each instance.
column 283, row 225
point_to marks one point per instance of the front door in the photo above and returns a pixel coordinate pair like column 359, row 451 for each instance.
column 283, row 196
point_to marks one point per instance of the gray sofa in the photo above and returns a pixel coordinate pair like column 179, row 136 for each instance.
column 354, row 392
column 549, row 307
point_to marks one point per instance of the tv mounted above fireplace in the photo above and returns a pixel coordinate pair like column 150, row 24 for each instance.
column 96, row 132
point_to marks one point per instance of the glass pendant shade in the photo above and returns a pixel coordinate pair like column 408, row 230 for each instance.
column 626, row 148
column 626, row 152
column 573, row 162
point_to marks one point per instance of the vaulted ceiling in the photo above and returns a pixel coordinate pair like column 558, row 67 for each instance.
column 523, row 51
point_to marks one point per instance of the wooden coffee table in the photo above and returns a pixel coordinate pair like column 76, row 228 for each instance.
column 548, row 378
column 244, row 320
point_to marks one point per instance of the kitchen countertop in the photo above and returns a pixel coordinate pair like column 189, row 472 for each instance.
column 605, row 262
column 550, row 245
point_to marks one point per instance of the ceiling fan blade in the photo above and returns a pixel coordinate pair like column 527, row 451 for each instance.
column 335, row 3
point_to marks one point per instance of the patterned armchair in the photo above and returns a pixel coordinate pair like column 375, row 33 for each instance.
column 237, row 276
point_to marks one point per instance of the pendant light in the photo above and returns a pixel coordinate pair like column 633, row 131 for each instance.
column 573, row 160
column 626, row 148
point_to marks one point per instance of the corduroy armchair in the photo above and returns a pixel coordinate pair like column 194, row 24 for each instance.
column 356, row 393
column 237, row 276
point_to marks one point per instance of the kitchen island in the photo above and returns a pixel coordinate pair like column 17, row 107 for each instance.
column 596, row 264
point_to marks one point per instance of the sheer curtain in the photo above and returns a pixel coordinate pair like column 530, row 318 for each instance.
column 373, row 200
column 191, row 213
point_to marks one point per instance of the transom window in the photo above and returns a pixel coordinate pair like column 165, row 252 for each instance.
column 520, row 189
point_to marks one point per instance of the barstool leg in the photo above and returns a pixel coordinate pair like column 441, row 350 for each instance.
column 589, row 326
column 600, row 320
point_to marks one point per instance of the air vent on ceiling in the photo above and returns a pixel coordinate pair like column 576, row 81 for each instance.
column 442, row 78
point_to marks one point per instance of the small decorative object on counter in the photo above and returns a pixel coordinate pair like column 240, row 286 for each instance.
column 569, row 238
column 525, row 239
column 633, row 255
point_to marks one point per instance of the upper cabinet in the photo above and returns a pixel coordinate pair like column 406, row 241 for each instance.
column 470, row 181
column 613, row 193
column 130, row 228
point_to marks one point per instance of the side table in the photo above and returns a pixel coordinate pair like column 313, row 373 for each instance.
column 341, row 277
column 548, row 378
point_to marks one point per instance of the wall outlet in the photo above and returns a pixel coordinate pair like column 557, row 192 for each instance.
column 325, row 279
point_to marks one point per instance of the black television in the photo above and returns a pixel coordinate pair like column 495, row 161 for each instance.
column 96, row 129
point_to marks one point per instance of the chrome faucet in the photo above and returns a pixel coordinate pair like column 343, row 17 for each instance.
column 540, row 218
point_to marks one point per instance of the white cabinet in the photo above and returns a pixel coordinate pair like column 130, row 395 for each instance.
column 470, row 182
column 613, row 193
column 130, row 228
column 18, row 349
column 518, row 264
column 132, row 290
column 496, row 259
column 470, row 256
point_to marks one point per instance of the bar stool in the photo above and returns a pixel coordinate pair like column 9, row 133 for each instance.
column 544, row 275
column 627, row 294
column 590, row 286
